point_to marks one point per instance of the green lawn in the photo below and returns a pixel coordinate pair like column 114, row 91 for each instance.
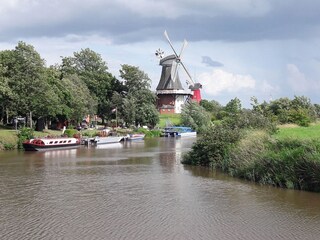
column 173, row 119
column 291, row 131
column 9, row 136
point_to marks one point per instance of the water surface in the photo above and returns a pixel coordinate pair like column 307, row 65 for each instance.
column 140, row 190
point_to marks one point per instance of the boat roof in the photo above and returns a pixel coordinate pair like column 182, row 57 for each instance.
column 178, row 127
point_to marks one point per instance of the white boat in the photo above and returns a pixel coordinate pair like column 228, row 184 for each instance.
column 137, row 136
column 106, row 140
column 179, row 132
column 42, row 144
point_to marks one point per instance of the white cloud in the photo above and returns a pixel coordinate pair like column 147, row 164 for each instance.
column 297, row 80
column 219, row 81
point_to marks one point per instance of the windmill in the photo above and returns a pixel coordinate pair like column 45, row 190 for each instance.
column 170, row 93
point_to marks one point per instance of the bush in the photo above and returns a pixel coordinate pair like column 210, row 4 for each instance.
column 9, row 146
column 70, row 132
column 213, row 148
column 23, row 135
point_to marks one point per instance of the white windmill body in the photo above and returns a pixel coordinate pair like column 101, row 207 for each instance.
column 171, row 95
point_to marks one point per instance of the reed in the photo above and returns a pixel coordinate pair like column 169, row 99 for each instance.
column 257, row 156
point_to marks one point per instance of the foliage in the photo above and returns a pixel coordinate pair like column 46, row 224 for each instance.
column 134, row 78
column 213, row 148
column 139, row 101
column 70, row 132
column 195, row 116
column 23, row 135
column 298, row 110
column 92, row 71
column 287, row 163
column 8, row 146
column 212, row 107
column 148, row 133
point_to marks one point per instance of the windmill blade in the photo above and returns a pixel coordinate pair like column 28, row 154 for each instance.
column 167, row 37
column 185, row 43
column 185, row 69
column 174, row 71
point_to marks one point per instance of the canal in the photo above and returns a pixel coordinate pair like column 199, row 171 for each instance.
column 140, row 190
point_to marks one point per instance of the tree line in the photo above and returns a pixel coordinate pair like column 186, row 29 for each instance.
column 81, row 85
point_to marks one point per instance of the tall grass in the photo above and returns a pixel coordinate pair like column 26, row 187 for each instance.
column 256, row 156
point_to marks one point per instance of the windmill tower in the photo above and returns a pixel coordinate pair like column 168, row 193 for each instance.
column 171, row 95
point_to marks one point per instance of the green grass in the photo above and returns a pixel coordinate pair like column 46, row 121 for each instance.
column 296, row 132
column 9, row 136
column 173, row 119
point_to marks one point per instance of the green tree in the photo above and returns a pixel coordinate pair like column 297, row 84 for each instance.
column 77, row 98
column 93, row 71
column 26, row 79
column 195, row 116
column 134, row 78
column 5, row 94
column 138, row 97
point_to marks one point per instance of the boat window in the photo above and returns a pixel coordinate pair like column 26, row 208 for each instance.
column 64, row 141
column 50, row 142
column 69, row 141
column 60, row 142
column 55, row 141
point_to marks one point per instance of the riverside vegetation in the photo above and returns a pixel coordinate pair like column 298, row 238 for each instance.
column 249, row 146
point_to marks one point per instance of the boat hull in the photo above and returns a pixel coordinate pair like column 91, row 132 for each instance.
column 134, row 137
column 33, row 147
column 179, row 132
column 43, row 144
column 106, row 140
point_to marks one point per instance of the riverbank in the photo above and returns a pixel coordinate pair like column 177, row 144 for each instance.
column 289, row 158
column 9, row 137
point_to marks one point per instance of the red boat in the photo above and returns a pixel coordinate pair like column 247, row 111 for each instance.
column 41, row 144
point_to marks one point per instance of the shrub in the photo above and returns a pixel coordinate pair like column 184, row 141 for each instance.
column 9, row 146
column 23, row 135
column 213, row 148
column 70, row 132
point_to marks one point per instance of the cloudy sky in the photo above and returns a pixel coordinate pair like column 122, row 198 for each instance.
column 236, row 48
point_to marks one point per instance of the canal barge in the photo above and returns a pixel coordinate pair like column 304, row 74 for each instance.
column 42, row 144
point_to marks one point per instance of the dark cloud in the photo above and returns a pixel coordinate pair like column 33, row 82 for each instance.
column 211, row 63
column 284, row 20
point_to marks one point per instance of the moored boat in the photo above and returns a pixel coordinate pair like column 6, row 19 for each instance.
column 106, row 140
column 179, row 132
column 42, row 144
column 137, row 136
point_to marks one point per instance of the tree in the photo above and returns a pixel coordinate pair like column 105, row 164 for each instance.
column 212, row 107
column 233, row 107
column 195, row 116
column 134, row 78
column 139, row 100
column 92, row 70
column 25, row 71
column 77, row 98
column 5, row 94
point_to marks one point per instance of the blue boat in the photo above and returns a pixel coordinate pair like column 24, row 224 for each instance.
column 177, row 131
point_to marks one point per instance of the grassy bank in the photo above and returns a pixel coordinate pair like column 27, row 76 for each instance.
column 296, row 132
column 9, row 137
column 289, row 159
column 165, row 119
